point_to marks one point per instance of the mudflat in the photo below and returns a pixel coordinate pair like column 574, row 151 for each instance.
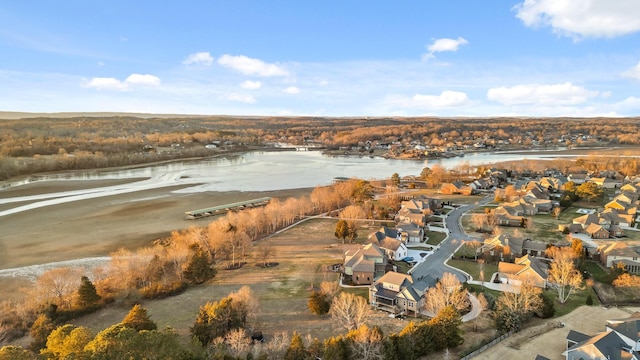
column 96, row 227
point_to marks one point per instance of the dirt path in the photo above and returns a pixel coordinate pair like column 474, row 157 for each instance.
column 550, row 341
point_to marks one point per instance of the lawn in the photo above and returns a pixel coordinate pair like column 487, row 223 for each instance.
column 577, row 299
column 472, row 268
column 598, row 273
column 435, row 237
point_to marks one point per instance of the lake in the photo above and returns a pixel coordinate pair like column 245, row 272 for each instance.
column 275, row 170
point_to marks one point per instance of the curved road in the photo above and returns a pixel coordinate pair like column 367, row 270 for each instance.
column 434, row 265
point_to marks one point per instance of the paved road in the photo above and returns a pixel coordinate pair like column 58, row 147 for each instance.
column 434, row 265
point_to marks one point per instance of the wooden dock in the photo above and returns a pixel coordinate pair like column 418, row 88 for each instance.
column 218, row 210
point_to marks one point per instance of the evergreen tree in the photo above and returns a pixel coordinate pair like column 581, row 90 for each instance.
column 39, row 331
column 138, row 319
column 445, row 329
column 589, row 300
column 198, row 269
column 316, row 349
column 11, row 352
column 319, row 303
column 548, row 309
column 87, row 294
column 336, row 348
column 296, row 350
column 216, row 319
column 67, row 342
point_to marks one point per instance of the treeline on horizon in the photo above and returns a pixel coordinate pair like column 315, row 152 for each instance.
column 36, row 145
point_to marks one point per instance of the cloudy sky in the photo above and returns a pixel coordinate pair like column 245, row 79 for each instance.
column 331, row 58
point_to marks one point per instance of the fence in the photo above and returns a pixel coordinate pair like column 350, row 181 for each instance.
column 487, row 346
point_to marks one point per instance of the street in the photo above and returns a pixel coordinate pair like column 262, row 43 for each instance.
column 434, row 266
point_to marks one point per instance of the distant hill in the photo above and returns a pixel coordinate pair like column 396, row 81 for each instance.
column 11, row 115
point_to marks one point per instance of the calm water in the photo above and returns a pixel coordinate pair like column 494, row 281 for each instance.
column 257, row 171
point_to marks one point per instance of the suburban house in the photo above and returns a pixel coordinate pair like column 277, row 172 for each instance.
column 410, row 232
column 504, row 218
column 364, row 263
column 413, row 216
column 615, row 252
column 596, row 231
column 606, row 183
column 389, row 240
column 620, row 340
column 517, row 245
column 578, row 178
column 456, row 188
column 525, row 267
column 398, row 293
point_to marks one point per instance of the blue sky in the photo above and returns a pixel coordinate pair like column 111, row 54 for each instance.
column 325, row 58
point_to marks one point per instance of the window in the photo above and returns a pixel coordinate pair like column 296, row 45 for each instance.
column 410, row 303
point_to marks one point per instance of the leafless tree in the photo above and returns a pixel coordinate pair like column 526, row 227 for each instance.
column 265, row 252
column 448, row 291
column 525, row 300
column 349, row 310
column 563, row 273
column 237, row 341
column 367, row 343
column 57, row 285
column 475, row 245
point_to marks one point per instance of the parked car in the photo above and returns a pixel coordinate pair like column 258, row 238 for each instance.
column 408, row 259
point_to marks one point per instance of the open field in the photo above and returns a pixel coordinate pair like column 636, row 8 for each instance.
column 301, row 253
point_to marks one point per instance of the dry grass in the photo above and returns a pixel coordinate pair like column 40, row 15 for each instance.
column 302, row 254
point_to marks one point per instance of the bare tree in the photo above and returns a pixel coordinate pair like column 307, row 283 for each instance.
column 448, row 291
column 349, row 310
column 264, row 253
column 483, row 305
column 556, row 212
column 58, row 285
column 237, row 341
column 475, row 245
column 479, row 221
column 367, row 343
column 329, row 288
column 248, row 300
column 563, row 273
column 481, row 263
column 525, row 300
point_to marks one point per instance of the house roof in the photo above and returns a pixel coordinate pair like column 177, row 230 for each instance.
column 629, row 327
column 594, row 228
column 606, row 345
column 395, row 278
column 577, row 336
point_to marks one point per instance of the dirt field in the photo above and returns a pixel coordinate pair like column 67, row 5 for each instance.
column 549, row 340
column 98, row 226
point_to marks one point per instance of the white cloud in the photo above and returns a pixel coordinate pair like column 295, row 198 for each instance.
column 109, row 83
column 292, row 90
column 105, row 83
column 582, row 18
column 633, row 73
column 251, row 85
column 249, row 66
column 446, row 99
column 142, row 79
column 199, row 58
column 556, row 94
column 444, row 44
column 247, row 99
